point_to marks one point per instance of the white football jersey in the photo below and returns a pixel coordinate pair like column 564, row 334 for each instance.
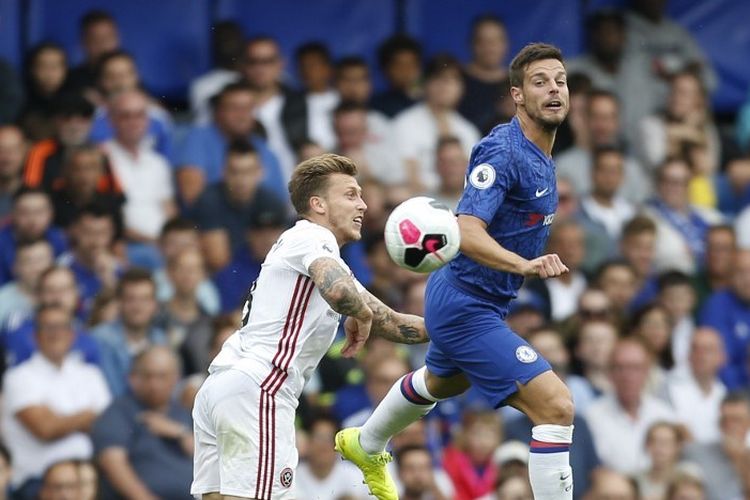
column 287, row 325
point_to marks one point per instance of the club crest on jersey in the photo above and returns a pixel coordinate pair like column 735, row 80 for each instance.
column 483, row 176
column 526, row 354
column 285, row 477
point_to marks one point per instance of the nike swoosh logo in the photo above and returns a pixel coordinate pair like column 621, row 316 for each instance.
column 563, row 478
column 542, row 192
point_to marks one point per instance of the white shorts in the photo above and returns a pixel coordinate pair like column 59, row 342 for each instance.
column 244, row 439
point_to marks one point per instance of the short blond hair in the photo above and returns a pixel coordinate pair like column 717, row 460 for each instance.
column 310, row 178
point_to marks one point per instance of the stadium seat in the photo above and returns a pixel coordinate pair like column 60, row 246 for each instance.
column 169, row 38
column 10, row 35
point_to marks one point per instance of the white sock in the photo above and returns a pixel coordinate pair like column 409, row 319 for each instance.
column 406, row 402
column 549, row 462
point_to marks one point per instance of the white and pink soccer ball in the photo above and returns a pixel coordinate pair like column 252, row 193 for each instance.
column 422, row 234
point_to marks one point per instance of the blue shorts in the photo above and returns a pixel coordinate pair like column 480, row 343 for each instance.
column 468, row 335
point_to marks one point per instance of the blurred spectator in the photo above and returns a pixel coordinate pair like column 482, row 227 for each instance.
column 667, row 45
column 617, row 279
column 144, row 441
column 144, row 174
column 11, row 93
column 486, row 75
column 451, row 164
column 315, row 71
column 374, row 159
column 46, row 69
column 677, row 295
column 613, row 68
column 560, row 295
column 619, row 420
column 89, row 478
column 86, row 180
column 61, row 481
column 695, row 391
column 30, row 220
column 282, row 112
column 728, row 311
column 416, row 474
column 91, row 257
column 716, row 274
column 205, row 147
column 664, row 444
column 604, row 131
column 117, row 73
column 725, row 462
column 593, row 304
column 686, row 486
column 99, row 36
column 610, row 485
column 417, row 129
column 603, row 205
column 574, row 130
column 511, row 487
column 13, row 148
column 178, row 235
column 225, row 208
column 400, row 61
column 18, row 297
column 323, row 475
column 681, row 228
column 732, row 186
column 72, row 120
column 132, row 332
column 5, row 473
column 526, row 313
column 468, row 461
column 50, row 401
column 186, row 324
column 227, row 42
column 57, row 288
column 234, row 280
column 653, row 326
column 583, row 457
column 686, row 120
column 638, row 247
column 353, row 82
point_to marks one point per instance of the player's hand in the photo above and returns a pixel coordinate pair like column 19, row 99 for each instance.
column 356, row 331
column 546, row 266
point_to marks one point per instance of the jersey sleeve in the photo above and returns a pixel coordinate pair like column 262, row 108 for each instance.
column 491, row 174
column 302, row 248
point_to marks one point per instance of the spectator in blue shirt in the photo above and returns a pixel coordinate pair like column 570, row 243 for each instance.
column 132, row 332
column 225, row 208
column 144, row 441
column 728, row 311
column 203, row 154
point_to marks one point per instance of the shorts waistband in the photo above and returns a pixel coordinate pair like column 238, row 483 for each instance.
column 448, row 276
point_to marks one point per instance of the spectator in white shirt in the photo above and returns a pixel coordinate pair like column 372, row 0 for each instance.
column 417, row 129
column 18, row 297
column 603, row 204
column 315, row 71
column 450, row 163
column 323, row 476
column 695, row 391
column 619, row 420
column 50, row 402
column 227, row 41
column 144, row 174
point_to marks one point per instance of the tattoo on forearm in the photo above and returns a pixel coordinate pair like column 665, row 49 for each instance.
column 393, row 326
column 337, row 287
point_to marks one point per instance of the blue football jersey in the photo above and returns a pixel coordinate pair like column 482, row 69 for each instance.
column 511, row 186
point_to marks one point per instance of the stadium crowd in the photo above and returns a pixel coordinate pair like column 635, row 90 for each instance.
column 130, row 237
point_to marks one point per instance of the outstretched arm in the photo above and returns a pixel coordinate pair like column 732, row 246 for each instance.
column 395, row 326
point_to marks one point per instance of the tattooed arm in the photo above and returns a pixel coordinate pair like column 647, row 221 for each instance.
column 338, row 289
column 395, row 326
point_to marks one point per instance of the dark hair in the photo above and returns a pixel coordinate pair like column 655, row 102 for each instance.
column 29, row 191
column 529, row 54
column 735, row 397
column 5, row 453
column 604, row 16
column 70, row 104
column 349, row 107
column 95, row 210
column 44, row 308
column 227, row 41
column 602, row 150
column 24, row 245
column 230, row 88
column 177, row 224
column 579, row 83
column 673, row 278
column 134, row 276
column 322, row 416
column 440, row 64
column 410, row 448
column 110, row 56
column 394, row 45
column 447, row 140
column 350, row 62
column 93, row 17
column 637, row 225
column 607, row 265
column 310, row 178
column 240, row 147
column 481, row 19
column 87, row 148
column 313, row 48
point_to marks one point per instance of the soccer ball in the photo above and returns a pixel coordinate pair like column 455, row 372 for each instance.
column 422, row 234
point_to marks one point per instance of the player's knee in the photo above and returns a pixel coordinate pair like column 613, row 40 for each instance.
column 560, row 409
